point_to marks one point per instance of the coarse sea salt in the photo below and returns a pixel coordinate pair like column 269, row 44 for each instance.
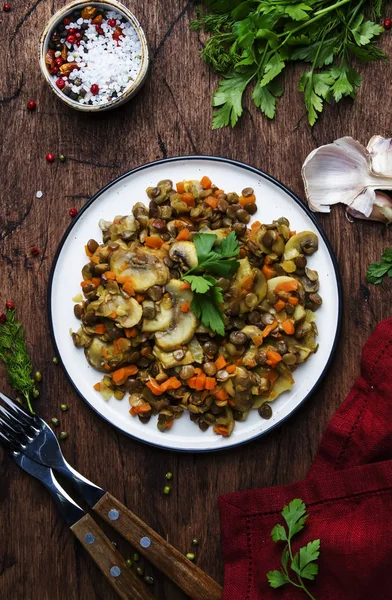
column 110, row 63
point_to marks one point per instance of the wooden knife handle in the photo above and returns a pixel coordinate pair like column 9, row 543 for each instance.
column 112, row 564
column 186, row 575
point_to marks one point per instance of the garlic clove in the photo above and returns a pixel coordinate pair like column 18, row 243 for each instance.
column 336, row 172
column 380, row 152
column 382, row 210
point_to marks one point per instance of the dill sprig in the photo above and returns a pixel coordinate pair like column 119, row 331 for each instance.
column 15, row 357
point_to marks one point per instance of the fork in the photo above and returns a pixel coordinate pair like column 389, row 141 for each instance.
column 32, row 442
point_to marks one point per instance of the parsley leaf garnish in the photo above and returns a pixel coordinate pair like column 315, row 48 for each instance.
column 219, row 260
column 303, row 562
column 253, row 42
column 378, row 270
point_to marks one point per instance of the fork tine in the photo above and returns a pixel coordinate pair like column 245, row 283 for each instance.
column 10, row 422
column 9, row 439
column 21, row 414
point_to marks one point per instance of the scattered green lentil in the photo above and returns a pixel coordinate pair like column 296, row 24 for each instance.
column 150, row 580
column 140, row 571
column 129, row 562
column 63, row 435
column 167, row 490
column 195, row 542
column 190, row 556
column 136, row 557
column 169, row 475
column 35, row 393
column 55, row 421
column 38, row 376
column 55, row 360
column 64, row 407
column 62, row 158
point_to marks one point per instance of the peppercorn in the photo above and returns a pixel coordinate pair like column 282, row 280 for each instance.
column 140, row 571
column 94, row 89
column 59, row 61
column 195, row 542
column 64, row 407
column 55, row 360
column 6, row 7
column 60, row 84
column 31, row 105
column 129, row 562
column 136, row 557
column 387, row 23
column 62, row 158
column 34, row 251
column 73, row 212
column 71, row 39
column 10, row 305
column 3, row 318
column 55, row 422
column 149, row 580
column 38, row 376
column 63, row 435
column 169, row 475
column 50, row 157
column 167, row 490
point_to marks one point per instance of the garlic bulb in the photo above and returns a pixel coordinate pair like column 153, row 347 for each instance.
column 382, row 210
column 347, row 172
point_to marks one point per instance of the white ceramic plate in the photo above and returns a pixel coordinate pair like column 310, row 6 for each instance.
column 118, row 197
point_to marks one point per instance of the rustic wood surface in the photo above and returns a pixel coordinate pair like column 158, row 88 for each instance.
column 39, row 557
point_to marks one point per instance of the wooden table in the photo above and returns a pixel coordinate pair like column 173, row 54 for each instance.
column 39, row 557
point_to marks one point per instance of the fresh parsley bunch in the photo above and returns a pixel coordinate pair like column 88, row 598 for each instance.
column 378, row 270
column 221, row 262
column 299, row 566
column 252, row 41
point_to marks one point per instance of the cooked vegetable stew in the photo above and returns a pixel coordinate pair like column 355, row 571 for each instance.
column 138, row 321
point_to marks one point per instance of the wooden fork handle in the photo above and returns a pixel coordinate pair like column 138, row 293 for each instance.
column 186, row 575
column 112, row 564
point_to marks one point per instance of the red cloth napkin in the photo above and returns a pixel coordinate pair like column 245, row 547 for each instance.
column 348, row 494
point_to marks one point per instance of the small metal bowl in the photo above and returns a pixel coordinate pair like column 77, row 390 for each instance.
column 131, row 89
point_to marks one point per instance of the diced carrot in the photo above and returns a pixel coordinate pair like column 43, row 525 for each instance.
column 121, row 375
column 272, row 376
column 185, row 307
column 231, row 402
column 120, row 345
column 221, row 430
column 85, row 282
column 287, row 286
column 279, row 305
column 112, row 315
column 128, row 289
column 257, row 340
column 131, row 333
column 244, row 200
column 205, row 182
column 200, row 382
column 153, row 242
column 242, row 252
column 124, row 279
column 179, row 224
column 238, row 362
column 210, row 383
column 154, row 386
column 231, row 369
column 169, row 424
column 218, row 193
column 247, row 283
column 293, row 300
column 96, row 281
column 221, row 394
column 109, row 275
column 220, row 362
column 255, row 225
column 145, row 351
column 292, row 233
column 267, row 260
column 267, row 330
column 180, row 187
column 188, row 198
column 100, row 329
column 288, row 327
column 144, row 407
column 198, row 370
column 273, row 358
column 183, row 235
column 191, row 382
column 95, row 259
column 140, row 298
column 170, row 384
column 185, row 286
column 269, row 272
column 97, row 386
column 211, row 201
column 87, row 251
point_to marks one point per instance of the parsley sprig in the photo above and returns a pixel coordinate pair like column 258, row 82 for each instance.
column 302, row 564
column 213, row 261
column 253, row 41
column 15, row 357
column 378, row 270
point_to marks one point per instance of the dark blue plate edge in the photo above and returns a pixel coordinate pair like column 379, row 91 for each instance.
column 259, row 173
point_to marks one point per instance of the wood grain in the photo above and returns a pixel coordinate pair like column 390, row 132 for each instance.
column 39, row 558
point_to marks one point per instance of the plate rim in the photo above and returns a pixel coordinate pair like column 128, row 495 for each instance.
column 274, row 181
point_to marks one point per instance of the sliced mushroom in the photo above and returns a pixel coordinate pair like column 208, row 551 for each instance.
column 128, row 310
column 162, row 319
column 145, row 267
column 102, row 357
column 184, row 253
column 305, row 242
column 168, row 360
column 272, row 283
column 183, row 325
